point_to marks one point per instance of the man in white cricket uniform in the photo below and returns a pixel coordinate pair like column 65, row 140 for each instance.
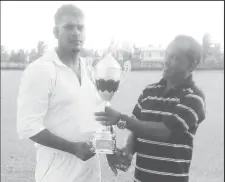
column 56, row 103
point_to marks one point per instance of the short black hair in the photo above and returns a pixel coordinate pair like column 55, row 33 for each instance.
column 194, row 50
column 67, row 9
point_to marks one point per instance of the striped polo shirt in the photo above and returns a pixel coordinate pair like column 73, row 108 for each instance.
column 181, row 109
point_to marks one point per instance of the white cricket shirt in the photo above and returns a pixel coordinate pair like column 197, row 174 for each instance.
column 51, row 97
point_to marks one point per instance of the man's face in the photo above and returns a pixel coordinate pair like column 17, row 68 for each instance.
column 177, row 65
column 70, row 33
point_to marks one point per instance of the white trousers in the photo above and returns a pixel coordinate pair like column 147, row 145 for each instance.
column 57, row 166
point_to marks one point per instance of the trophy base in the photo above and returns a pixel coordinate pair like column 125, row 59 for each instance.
column 104, row 143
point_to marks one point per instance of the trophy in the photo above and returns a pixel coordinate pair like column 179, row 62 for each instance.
column 106, row 75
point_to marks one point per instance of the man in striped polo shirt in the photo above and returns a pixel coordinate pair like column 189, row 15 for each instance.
column 166, row 118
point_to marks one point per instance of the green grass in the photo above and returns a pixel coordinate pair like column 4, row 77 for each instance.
column 18, row 157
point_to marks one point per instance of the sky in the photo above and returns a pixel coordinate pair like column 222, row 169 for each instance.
column 24, row 23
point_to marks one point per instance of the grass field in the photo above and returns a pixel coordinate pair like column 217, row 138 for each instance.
column 18, row 157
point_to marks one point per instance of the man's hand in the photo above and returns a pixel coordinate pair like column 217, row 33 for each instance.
column 83, row 150
column 120, row 160
column 115, row 160
column 112, row 159
column 109, row 117
column 126, row 159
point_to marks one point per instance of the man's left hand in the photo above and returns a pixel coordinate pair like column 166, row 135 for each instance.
column 126, row 159
column 114, row 160
column 109, row 117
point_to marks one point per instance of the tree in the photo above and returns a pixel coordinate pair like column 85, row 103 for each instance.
column 206, row 43
column 4, row 54
column 13, row 57
column 216, row 51
column 23, row 56
column 20, row 56
column 38, row 52
column 33, row 55
column 41, row 47
column 2, row 49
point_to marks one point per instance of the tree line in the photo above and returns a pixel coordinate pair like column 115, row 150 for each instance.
column 23, row 56
column 210, row 52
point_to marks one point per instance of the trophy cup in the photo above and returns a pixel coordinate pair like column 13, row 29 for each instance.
column 107, row 75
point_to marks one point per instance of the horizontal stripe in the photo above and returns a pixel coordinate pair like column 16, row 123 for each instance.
column 164, row 144
column 189, row 116
column 160, row 173
column 161, row 99
column 182, row 121
column 167, row 114
column 139, row 106
column 150, row 177
column 190, row 110
column 163, row 151
column 190, row 134
column 197, row 98
column 136, row 180
column 136, row 111
column 162, row 165
column 154, row 86
column 163, row 158
column 157, row 112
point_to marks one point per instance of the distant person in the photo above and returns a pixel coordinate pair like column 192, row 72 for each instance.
column 56, row 105
column 127, row 65
column 166, row 118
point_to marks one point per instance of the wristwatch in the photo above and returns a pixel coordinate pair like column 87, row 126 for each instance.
column 121, row 124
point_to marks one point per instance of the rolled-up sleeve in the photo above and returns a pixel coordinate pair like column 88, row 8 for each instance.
column 32, row 102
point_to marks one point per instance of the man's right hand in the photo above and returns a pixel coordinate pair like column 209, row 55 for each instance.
column 83, row 151
column 114, row 160
column 126, row 157
column 80, row 149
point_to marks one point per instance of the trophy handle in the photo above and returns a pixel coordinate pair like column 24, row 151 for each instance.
column 125, row 72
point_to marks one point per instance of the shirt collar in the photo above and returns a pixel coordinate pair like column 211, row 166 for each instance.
column 52, row 54
column 187, row 82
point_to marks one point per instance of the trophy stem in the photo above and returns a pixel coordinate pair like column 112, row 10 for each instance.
column 104, row 140
column 108, row 128
column 107, row 103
